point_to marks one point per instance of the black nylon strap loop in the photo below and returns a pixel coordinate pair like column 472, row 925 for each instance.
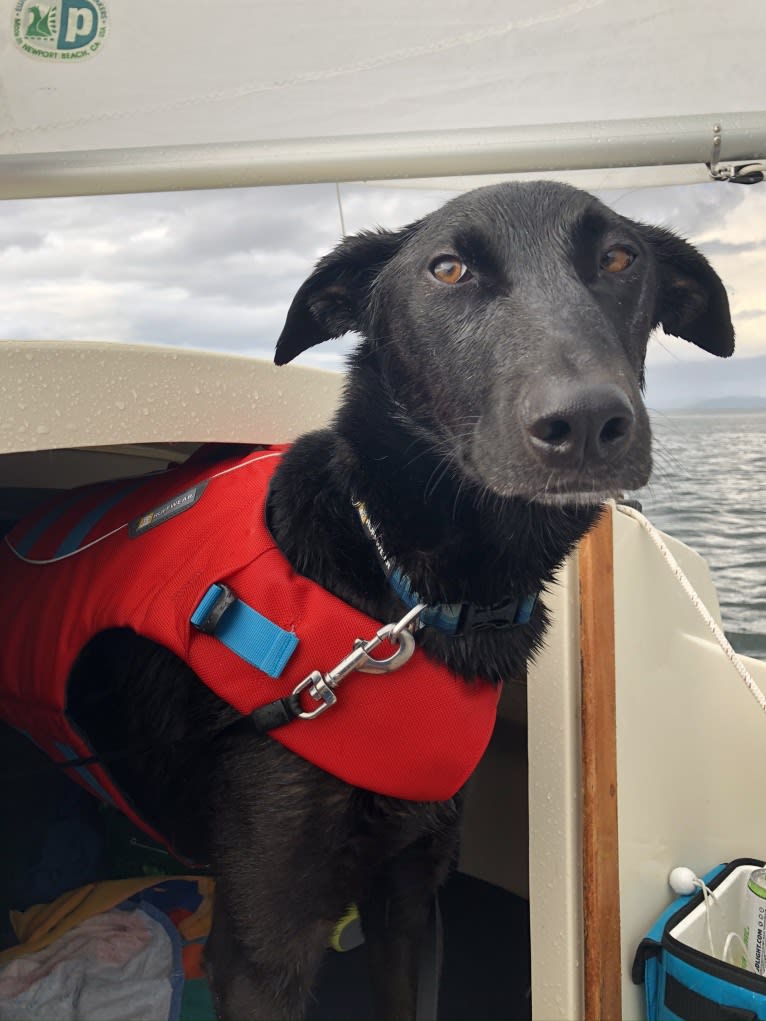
column 693, row 1006
column 430, row 966
column 275, row 714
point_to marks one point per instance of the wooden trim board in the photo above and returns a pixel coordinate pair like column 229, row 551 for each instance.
column 601, row 880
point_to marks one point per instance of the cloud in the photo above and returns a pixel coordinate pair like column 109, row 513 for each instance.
column 756, row 313
column 742, row 220
column 727, row 222
column 218, row 269
column 695, row 212
column 716, row 248
column 209, row 269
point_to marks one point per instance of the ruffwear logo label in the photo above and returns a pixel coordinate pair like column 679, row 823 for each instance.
column 170, row 509
column 69, row 30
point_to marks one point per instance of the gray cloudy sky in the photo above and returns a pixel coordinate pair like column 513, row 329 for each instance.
column 217, row 269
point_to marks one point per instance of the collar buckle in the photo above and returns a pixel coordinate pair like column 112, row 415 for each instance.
column 497, row 617
column 449, row 618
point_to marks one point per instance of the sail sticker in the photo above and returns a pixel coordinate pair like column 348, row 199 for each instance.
column 60, row 30
column 170, row 509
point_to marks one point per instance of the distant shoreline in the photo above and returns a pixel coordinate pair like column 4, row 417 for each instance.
column 734, row 384
column 723, row 409
column 754, row 405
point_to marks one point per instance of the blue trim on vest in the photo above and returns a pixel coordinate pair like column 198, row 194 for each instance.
column 69, row 754
column 254, row 638
column 25, row 544
column 72, row 541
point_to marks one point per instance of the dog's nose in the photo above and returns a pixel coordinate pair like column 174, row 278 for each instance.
column 570, row 427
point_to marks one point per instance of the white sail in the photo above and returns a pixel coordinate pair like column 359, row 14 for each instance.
column 125, row 95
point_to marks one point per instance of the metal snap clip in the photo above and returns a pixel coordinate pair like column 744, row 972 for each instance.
column 320, row 686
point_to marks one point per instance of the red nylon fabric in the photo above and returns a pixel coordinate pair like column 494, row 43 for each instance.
column 416, row 733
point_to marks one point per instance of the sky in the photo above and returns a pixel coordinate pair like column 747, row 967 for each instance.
column 217, row 269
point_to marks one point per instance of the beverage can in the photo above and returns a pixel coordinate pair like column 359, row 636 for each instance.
column 754, row 936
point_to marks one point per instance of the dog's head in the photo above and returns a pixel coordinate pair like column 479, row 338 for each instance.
column 510, row 328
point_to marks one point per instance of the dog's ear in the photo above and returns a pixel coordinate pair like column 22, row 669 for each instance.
column 691, row 300
column 333, row 299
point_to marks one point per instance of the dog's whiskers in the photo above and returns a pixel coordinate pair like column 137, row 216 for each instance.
column 442, row 468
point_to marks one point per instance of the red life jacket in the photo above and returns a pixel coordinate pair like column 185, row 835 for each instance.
column 142, row 554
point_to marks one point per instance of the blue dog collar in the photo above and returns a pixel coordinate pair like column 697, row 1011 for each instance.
column 449, row 618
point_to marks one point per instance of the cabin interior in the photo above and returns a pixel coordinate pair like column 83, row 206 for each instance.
column 57, row 837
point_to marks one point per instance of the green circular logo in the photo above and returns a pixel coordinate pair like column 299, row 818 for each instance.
column 68, row 30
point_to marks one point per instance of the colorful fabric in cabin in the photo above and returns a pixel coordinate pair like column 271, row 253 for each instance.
column 112, row 949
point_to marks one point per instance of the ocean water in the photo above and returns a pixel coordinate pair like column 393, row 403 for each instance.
column 708, row 489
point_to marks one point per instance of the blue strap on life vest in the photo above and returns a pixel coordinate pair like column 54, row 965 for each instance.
column 253, row 637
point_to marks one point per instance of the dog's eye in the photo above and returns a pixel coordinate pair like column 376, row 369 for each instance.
column 617, row 259
column 450, row 270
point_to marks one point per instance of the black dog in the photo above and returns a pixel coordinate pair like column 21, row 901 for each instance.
column 493, row 403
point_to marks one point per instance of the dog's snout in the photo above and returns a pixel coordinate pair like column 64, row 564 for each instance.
column 570, row 427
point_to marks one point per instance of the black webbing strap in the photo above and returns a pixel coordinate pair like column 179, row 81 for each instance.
column 430, row 966
column 692, row 1006
column 276, row 713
